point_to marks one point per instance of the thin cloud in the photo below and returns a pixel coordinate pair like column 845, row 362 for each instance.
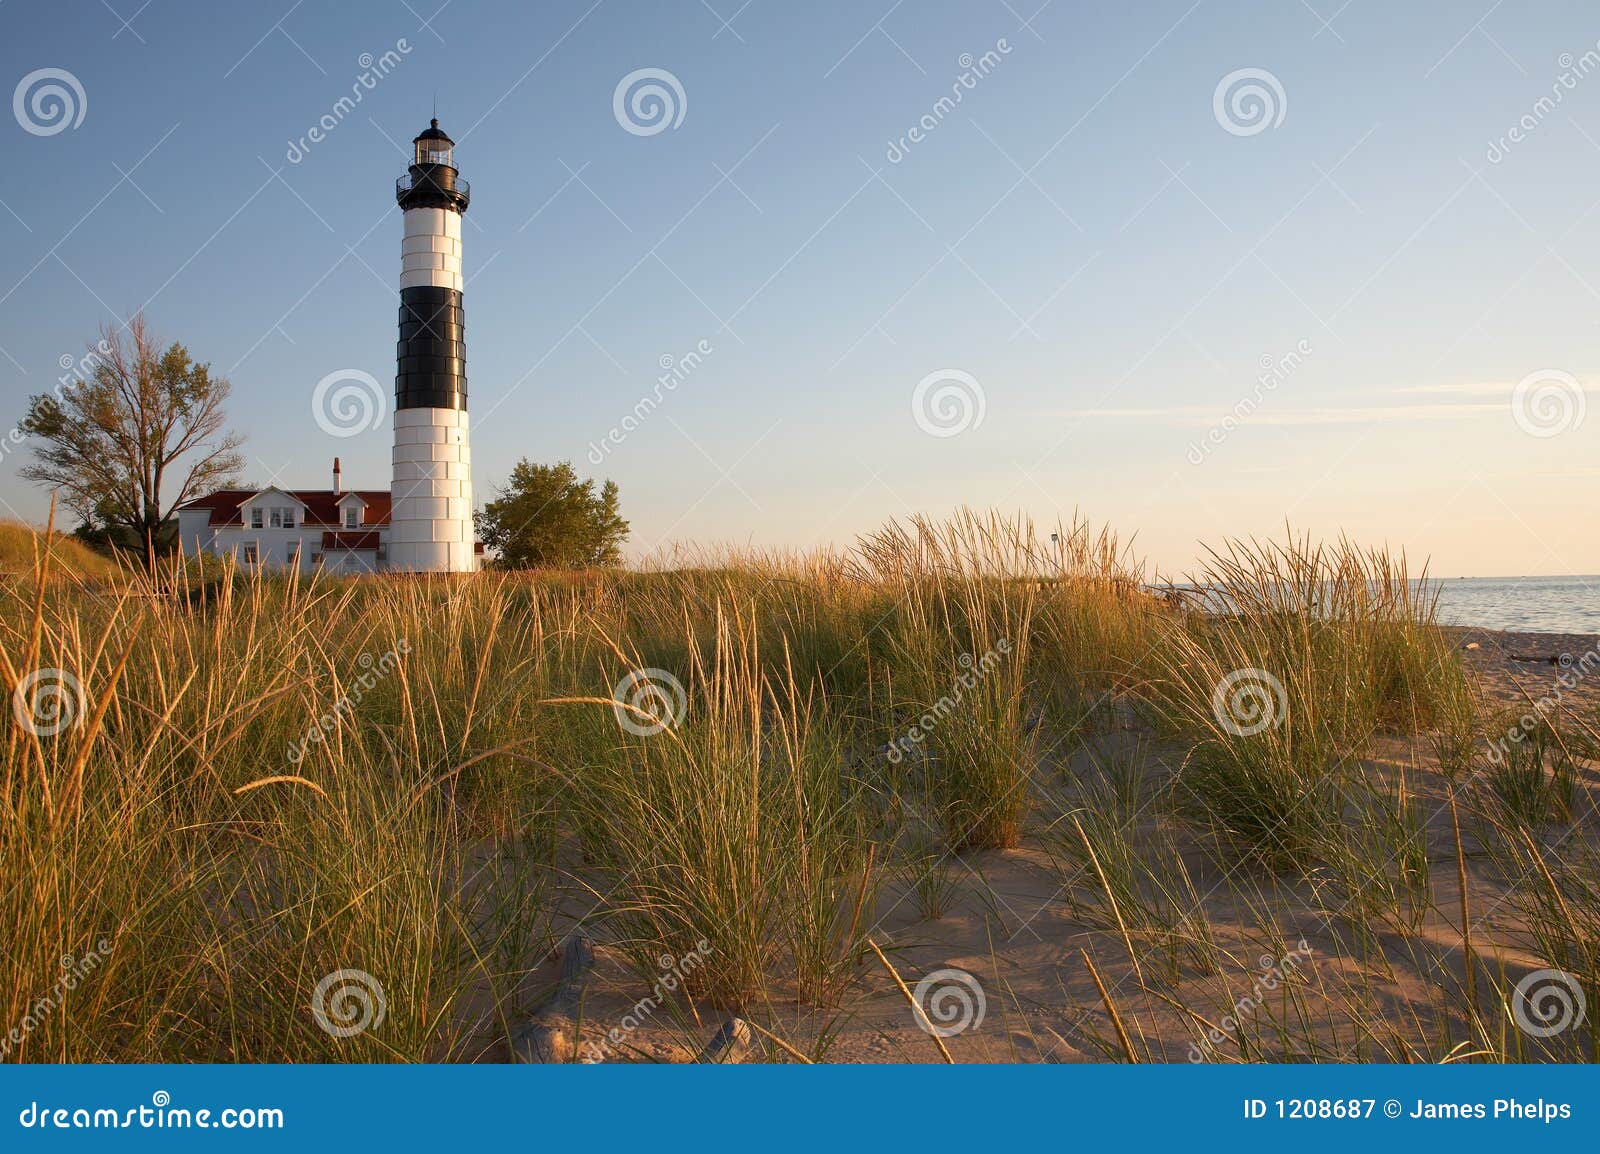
column 1481, row 388
column 1268, row 411
column 1200, row 417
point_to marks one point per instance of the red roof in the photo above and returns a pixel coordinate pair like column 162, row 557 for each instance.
column 349, row 539
column 322, row 505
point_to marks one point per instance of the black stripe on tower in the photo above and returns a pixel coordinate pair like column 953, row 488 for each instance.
column 431, row 358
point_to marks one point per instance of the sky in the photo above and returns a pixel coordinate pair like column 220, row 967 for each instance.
column 1197, row 270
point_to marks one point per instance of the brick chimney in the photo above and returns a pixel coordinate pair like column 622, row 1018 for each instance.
column 338, row 487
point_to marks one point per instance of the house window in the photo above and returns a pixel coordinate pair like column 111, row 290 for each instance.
column 256, row 521
column 283, row 518
column 250, row 554
column 294, row 555
column 352, row 517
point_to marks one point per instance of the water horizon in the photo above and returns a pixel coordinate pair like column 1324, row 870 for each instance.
column 1557, row 604
column 1521, row 604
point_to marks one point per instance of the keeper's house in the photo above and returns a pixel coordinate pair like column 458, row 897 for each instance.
column 335, row 529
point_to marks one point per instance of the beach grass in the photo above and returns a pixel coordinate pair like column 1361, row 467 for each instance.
column 244, row 813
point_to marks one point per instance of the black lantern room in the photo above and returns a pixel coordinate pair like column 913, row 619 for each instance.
column 432, row 180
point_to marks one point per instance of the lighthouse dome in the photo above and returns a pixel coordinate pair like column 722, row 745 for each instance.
column 433, row 132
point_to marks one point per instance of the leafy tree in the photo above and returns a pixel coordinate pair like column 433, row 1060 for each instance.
column 138, row 424
column 546, row 518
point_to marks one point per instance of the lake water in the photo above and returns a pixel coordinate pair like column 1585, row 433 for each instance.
column 1513, row 604
column 1522, row 604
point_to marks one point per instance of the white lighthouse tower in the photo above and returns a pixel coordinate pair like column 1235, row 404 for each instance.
column 431, row 516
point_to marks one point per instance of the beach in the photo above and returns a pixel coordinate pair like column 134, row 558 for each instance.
column 1021, row 923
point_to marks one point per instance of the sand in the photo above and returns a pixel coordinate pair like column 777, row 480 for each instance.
column 1020, row 921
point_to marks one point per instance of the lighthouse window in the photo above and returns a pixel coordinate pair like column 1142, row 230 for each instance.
column 427, row 155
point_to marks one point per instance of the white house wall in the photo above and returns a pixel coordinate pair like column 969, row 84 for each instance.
column 274, row 547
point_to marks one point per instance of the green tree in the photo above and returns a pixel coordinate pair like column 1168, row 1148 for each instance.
column 135, row 426
column 546, row 518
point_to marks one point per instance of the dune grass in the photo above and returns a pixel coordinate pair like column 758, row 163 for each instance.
column 70, row 559
column 267, row 806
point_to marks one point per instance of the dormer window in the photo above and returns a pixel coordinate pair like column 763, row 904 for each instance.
column 282, row 518
column 352, row 516
column 257, row 519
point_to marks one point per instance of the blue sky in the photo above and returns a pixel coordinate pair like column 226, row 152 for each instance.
column 1106, row 254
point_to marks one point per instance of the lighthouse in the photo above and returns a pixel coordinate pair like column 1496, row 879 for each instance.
column 431, row 492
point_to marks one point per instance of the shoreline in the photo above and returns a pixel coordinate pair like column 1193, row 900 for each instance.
column 1512, row 666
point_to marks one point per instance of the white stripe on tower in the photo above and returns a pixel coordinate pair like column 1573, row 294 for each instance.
column 430, row 253
column 431, row 527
